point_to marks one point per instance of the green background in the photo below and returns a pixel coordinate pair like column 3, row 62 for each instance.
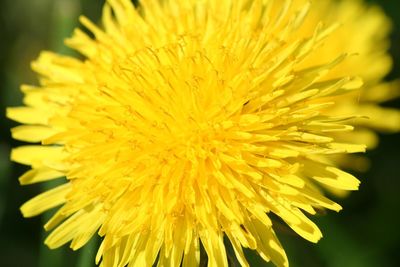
column 365, row 234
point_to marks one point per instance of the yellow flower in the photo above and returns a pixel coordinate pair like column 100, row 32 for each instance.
column 363, row 34
column 188, row 121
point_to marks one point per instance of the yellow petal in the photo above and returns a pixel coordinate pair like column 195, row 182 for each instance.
column 306, row 228
column 66, row 231
column 28, row 115
column 337, row 178
column 46, row 200
column 237, row 248
column 268, row 245
column 192, row 253
column 214, row 245
column 39, row 175
column 36, row 155
column 90, row 223
column 32, row 133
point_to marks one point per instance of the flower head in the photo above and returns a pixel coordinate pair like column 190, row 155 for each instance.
column 185, row 122
column 363, row 33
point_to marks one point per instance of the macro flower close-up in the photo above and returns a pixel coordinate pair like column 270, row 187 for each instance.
column 192, row 133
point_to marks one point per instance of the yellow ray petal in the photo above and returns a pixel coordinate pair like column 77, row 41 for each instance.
column 37, row 155
column 32, row 133
column 28, row 115
column 46, row 200
column 39, row 175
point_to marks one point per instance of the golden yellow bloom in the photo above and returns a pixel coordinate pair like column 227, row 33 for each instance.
column 188, row 121
column 363, row 33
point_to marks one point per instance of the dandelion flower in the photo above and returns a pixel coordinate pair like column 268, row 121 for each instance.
column 185, row 123
column 364, row 34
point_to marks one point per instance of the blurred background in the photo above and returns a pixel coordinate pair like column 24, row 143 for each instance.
column 365, row 234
